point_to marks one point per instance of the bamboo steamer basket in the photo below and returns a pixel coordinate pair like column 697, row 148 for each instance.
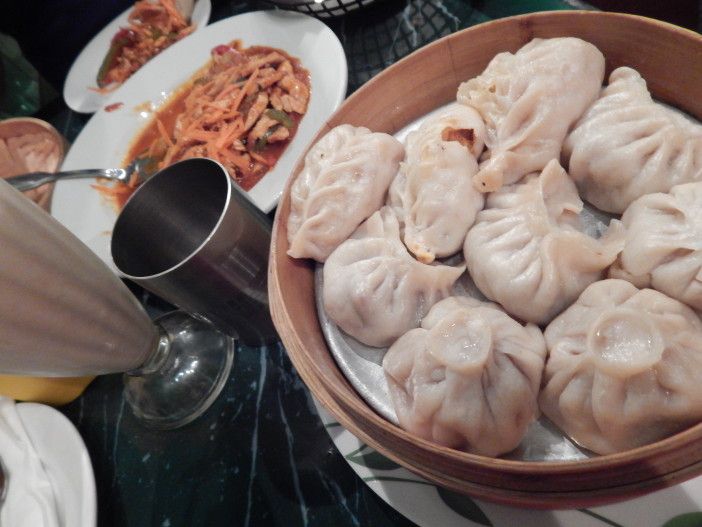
column 670, row 59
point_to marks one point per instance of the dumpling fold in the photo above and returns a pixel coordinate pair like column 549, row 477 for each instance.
column 628, row 145
column 529, row 100
column 345, row 179
column 663, row 248
column 527, row 250
column 433, row 194
column 624, row 368
column 374, row 290
column 468, row 378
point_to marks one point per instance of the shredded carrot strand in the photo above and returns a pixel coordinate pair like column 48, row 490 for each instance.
column 249, row 84
column 238, row 160
column 163, row 132
column 259, row 158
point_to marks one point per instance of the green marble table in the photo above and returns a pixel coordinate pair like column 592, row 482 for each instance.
column 260, row 456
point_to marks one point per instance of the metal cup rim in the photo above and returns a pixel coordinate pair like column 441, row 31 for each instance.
column 204, row 242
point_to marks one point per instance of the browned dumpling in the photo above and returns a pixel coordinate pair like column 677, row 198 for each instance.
column 529, row 100
column 433, row 194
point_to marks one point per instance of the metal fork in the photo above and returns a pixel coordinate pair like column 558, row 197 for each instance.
column 140, row 166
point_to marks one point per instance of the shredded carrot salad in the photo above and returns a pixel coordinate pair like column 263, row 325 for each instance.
column 246, row 101
column 153, row 26
column 242, row 109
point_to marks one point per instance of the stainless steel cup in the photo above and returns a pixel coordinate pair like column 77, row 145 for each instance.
column 193, row 237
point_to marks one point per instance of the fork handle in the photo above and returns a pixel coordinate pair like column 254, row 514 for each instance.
column 36, row 179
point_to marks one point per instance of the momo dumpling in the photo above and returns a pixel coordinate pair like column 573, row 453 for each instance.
column 468, row 378
column 374, row 290
column 624, row 368
column 455, row 123
column 345, row 179
column 433, row 194
column 663, row 248
column 529, row 101
column 628, row 145
column 527, row 251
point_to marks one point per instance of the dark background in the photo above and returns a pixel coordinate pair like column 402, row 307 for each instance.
column 51, row 33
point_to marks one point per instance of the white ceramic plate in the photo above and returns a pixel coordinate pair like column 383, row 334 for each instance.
column 77, row 90
column 66, row 461
column 428, row 505
column 105, row 139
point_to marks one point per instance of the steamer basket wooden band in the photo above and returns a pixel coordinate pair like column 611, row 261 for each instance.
column 670, row 59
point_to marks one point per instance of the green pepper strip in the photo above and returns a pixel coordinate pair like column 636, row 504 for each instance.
column 280, row 116
column 262, row 141
column 115, row 49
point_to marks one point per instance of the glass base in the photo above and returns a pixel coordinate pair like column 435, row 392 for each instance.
column 184, row 376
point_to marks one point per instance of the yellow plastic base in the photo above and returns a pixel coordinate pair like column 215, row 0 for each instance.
column 55, row 391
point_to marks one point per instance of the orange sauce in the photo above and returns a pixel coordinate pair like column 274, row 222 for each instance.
column 175, row 106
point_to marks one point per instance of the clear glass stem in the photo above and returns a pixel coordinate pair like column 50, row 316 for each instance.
column 158, row 358
column 183, row 376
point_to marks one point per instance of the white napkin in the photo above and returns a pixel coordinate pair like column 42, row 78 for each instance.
column 29, row 500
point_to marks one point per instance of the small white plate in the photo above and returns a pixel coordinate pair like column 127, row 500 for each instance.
column 66, row 461
column 106, row 138
column 81, row 77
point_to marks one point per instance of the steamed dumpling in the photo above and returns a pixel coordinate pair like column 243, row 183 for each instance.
column 627, row 145
column 529, row 100
column 468, row 378
column 527, row 250
column 345, row 179
column 433, row 194
column 374, row 290
column 663, row 247
column 624, row 368
column 456, row 123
